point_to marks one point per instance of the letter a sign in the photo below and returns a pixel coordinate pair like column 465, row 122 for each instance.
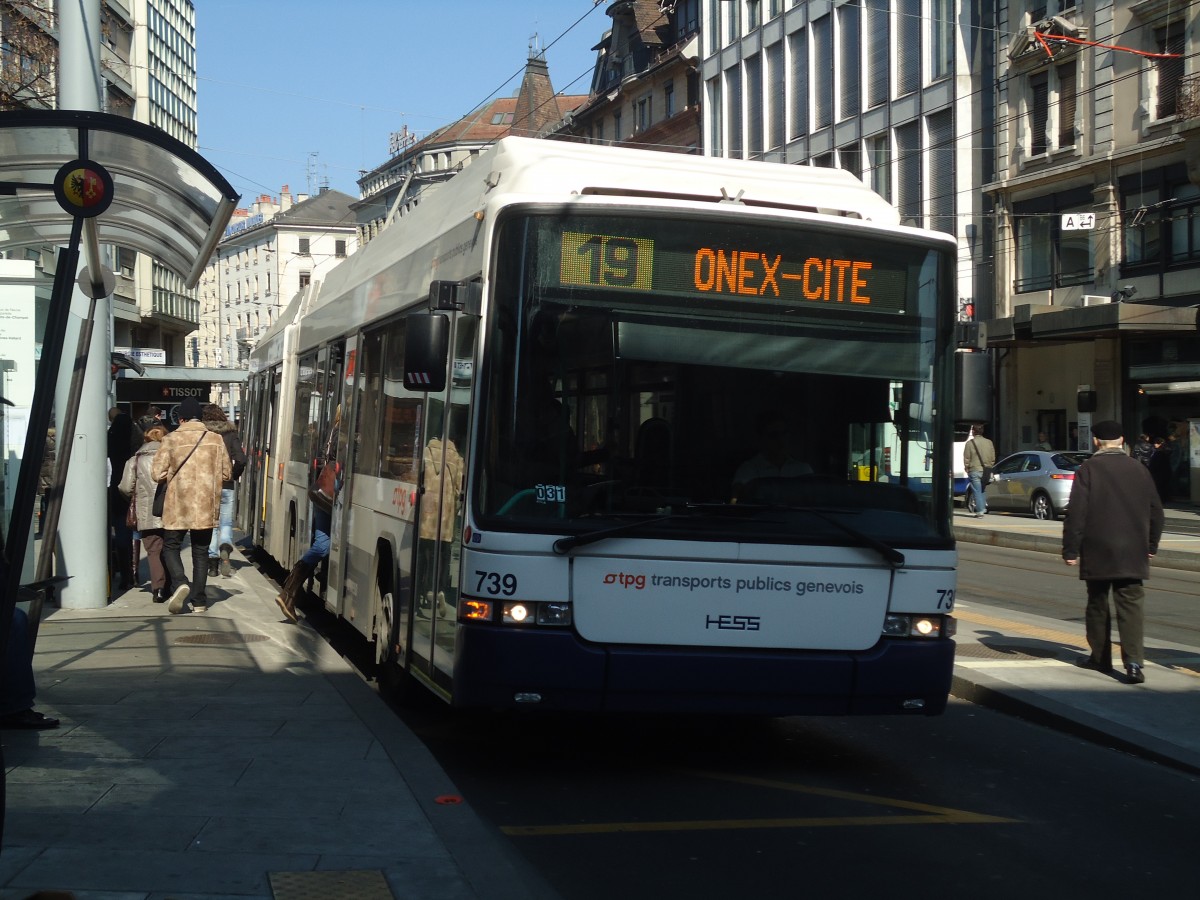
column 1078, row 221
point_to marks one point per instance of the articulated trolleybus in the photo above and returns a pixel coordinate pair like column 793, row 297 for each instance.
column 625, row 430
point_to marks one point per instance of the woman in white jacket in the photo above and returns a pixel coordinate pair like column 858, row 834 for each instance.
column 137, row 482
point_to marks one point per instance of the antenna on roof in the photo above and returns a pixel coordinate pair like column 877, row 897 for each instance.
column 536, row 50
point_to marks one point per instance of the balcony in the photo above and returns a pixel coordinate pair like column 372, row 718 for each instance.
column 1189, row 98
column 185, row 310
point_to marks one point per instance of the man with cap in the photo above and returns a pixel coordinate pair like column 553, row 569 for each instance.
column 1114, row 522
column 194, row 463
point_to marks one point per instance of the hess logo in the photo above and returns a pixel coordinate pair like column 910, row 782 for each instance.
column 636, row 582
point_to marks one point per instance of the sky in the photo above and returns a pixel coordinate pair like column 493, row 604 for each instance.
column 307, row 92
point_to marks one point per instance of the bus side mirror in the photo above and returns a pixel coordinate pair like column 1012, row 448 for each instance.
column 426, row 352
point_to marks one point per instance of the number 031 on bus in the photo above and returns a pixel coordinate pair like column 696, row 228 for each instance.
column 626, row 430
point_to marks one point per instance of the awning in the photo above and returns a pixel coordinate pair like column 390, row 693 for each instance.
column 1031, row 324
column 168, row 202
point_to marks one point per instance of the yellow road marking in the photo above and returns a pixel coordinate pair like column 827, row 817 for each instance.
column 931, row 815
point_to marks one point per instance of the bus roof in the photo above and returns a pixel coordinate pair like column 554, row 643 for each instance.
column 536, row 167
column 518, row 170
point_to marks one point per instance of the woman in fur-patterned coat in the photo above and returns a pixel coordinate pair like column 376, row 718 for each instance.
column 197, row 464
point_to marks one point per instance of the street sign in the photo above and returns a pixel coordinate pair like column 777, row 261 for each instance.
column 147, row 356
column 1078, row 221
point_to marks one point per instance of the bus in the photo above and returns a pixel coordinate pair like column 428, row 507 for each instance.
column 542, row 388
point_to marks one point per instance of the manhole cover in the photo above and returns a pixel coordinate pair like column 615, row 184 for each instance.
column 354, row 885
column 221, row 637
column 1003, row 651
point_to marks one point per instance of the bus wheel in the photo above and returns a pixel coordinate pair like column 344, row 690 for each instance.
column 390, row 677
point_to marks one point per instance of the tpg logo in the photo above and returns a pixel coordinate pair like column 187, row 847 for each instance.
column 637, row 582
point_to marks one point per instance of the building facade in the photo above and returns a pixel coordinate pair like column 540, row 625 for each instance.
column 1097, row 198
column 897, row 92
column 271, row 249
column 645, row 88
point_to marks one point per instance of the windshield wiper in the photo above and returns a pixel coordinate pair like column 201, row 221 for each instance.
column 890, row 554
column 565, row 545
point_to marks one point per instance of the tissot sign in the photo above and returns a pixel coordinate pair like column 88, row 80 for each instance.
column 161, row 393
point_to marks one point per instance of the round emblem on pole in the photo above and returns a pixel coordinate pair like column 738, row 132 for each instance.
column 83, row 188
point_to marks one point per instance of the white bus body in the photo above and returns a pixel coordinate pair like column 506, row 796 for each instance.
column 564, row 521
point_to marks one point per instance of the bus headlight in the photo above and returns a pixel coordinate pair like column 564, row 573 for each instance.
column 917, row 625
column 551, row 613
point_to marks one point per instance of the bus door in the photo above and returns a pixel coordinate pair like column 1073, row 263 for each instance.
column 436, row 576
column 325, row 428
column 340, row 387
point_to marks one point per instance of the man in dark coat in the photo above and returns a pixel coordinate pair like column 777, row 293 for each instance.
column 1114, row 523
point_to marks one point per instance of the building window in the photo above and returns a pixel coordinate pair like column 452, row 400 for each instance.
column 879, row 157
column 878, row 37
column 822, row 32
column 339, row 249
column 669, row 99
column 1168, row 72
column 850, row 159
column 1067, row 92
column 798, row 50
column 1048, row 257
column 687, row 18
column 941, row 39
column 617, row 126
column 1183, row 223
column 643, row 112
column 754, row 107
column 752, row 14
column 733, row 90
column 1051, row 107
column 776, row 96
column 1038, row 111
column 718, row 116
column 305, row 278
column 733, row 21
column 908, row 46
column 304, row 251
column 908, row 174
column 941, row 172
column 849, row 18
column 1160, row 219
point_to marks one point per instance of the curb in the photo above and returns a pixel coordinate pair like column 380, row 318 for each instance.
column 1051, row 714
column 1166, row 559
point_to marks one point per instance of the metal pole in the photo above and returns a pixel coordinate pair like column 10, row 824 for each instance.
column 83, row 535
column 45, row 563
column 35, row 437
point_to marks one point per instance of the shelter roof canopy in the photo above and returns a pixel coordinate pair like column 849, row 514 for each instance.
column 167, row 200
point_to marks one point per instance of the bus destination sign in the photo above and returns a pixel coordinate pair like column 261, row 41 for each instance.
column 869, row 279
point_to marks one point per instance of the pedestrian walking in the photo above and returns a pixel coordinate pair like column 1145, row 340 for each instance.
column 979, row 455
column 1113, row 527
column 194, row 464
column 221, row 545
column 137, row 483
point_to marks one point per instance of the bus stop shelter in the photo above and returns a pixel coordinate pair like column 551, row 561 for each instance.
column 76, row 180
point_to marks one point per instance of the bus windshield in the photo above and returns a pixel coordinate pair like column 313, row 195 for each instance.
column 720, row 380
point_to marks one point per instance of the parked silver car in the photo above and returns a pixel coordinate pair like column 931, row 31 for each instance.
column 1032, row 481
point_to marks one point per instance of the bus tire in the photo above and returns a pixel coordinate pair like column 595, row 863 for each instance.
column 391, row 679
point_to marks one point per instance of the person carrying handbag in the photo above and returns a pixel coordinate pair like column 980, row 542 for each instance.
column 195, row 464
column 979, row 455
column 137, row 483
